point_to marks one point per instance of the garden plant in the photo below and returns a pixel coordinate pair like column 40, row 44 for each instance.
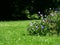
column 46, row 26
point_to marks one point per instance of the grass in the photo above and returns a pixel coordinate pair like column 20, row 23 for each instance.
column 15, row 33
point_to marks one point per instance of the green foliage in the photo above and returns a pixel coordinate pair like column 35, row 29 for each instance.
column 17, row 8
column 47, row 26
column 34, row 16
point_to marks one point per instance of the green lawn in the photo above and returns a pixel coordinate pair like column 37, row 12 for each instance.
column 15, row 33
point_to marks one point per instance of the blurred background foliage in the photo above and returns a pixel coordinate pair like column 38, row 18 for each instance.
column 20, row 9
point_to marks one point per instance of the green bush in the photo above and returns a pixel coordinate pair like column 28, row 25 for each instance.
column 46, row 26
column 34, row 16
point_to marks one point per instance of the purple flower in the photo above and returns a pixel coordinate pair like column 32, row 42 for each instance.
column 42, row 26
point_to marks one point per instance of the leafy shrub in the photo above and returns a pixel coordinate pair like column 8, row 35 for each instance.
column 46, row 26
column 58, row 23
column 34, row 16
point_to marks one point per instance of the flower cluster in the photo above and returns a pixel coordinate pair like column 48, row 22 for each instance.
column 46, row 26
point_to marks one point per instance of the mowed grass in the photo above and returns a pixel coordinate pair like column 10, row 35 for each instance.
column 15, row 33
